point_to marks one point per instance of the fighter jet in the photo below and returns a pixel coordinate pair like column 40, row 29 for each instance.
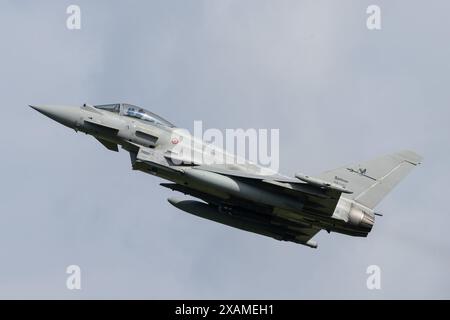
column 244, row 195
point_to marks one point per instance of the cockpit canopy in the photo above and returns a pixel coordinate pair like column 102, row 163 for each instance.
column 130, row 110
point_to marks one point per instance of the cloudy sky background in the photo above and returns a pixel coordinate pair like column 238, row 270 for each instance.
column 337, row 91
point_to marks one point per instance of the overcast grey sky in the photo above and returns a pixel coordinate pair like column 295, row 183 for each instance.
column 337, row 91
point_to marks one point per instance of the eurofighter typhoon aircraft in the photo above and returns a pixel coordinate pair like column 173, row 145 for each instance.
column 245, row 196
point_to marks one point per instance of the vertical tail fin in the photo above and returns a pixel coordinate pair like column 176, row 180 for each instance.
column 371, row 181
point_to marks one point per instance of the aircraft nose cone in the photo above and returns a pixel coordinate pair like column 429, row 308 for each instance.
column 46, row 110
column 62, row 114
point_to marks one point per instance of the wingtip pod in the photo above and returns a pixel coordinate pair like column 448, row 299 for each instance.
column 312, row 244
column 410, row 156
column 173, row 201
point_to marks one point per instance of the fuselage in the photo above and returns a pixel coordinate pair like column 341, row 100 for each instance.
column 137, row 130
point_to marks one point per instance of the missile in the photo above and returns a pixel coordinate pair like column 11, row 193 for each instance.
column 311, row 243
column 321, row 183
